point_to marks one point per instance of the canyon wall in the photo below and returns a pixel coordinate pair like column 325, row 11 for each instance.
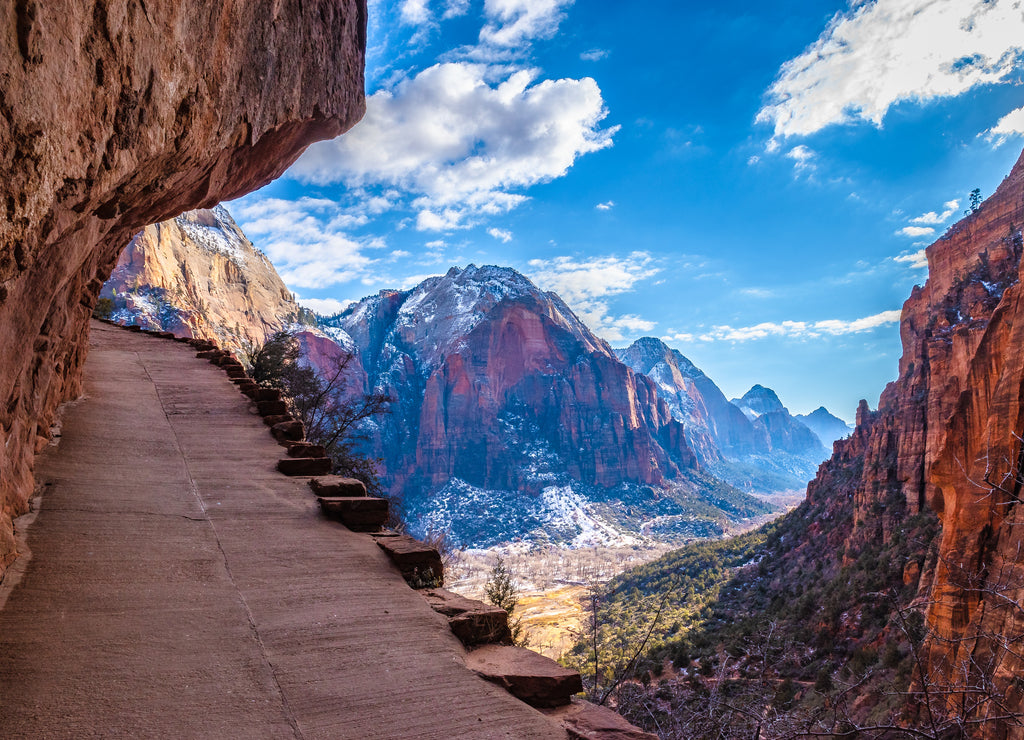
column 116, row 114
column 947, row 436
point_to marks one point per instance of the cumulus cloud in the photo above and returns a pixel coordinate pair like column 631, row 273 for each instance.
column 587, row 284
column 938, row 218
column 511, row 23
column 305, row 239
column 464, row 142
column 594, row 55
column 916, row 231
column 502, row 235
column 606, row 206
column 916, row 260
column 414, row 12
column 803, row 158
column 878, row 54
column 797, row 329
column 455, row 8
column 1012, row 124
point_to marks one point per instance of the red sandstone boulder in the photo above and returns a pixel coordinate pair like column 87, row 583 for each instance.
column 472, row 621
column 288, row 431
column 419, row 563
column 585, row 721
column 358, row 513
column 304, row 465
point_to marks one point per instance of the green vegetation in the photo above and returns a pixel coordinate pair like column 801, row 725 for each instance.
column 502, row 592
column 767, row 629
column 103, row 309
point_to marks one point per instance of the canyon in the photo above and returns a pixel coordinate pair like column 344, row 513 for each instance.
column 509, row 418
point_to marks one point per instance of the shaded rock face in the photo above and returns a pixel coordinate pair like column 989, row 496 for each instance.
column 714, row 426
column 117, row 114
column 498, row 384
column 197, row 275
column 947, row 435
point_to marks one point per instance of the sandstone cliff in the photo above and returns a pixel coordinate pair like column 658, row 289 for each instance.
column 947, row 436
column 117, row 114
column 197, row 275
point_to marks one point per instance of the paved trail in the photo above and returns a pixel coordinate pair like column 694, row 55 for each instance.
column 179, row 587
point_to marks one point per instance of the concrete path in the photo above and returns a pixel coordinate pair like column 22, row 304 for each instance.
column 179, row 587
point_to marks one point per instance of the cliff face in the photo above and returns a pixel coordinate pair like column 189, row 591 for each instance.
column 197, row 275
column 117, row 114
column 510, row 417
column 947, row 435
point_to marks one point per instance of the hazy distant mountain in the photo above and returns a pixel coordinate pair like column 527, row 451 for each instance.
column 753, row 442
column 829, row 428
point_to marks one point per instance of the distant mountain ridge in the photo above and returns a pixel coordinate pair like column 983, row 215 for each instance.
column 752, row 442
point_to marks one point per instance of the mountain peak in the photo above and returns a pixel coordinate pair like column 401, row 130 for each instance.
column 646, row 352
column 760, row 400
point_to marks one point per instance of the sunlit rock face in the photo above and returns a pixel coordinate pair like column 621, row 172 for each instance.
column 947, row 435
column 117, row 114
column 197, row 275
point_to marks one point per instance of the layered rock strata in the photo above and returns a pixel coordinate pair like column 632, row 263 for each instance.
column 948, row 435
column 117, row 114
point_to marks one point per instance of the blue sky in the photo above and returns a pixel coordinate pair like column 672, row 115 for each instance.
column 752, row 182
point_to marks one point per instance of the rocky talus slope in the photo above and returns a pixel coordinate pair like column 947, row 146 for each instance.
column 115, row 115
column 197, row 275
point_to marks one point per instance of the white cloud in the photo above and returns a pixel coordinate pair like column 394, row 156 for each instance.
column 455, row 8
column 916, row 260
column 878, row 54
column 606, row 206
column 325, row 306
column 304, row 240
column 757, row 292
column 587, row 284
column 512, row 23
column 415, row 12
column 1012, row 124
column 798, row 329
column 501, row 235
column 937, row 218
column 463, row 141
column 594, row 55
column 803, row 158
column 916, row 231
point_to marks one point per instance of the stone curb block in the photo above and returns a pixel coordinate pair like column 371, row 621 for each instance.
column 529, row 676
column 359, row 513
column 419, row 563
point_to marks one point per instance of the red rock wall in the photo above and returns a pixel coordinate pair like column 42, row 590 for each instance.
column 115, row 114
column 947, row 434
